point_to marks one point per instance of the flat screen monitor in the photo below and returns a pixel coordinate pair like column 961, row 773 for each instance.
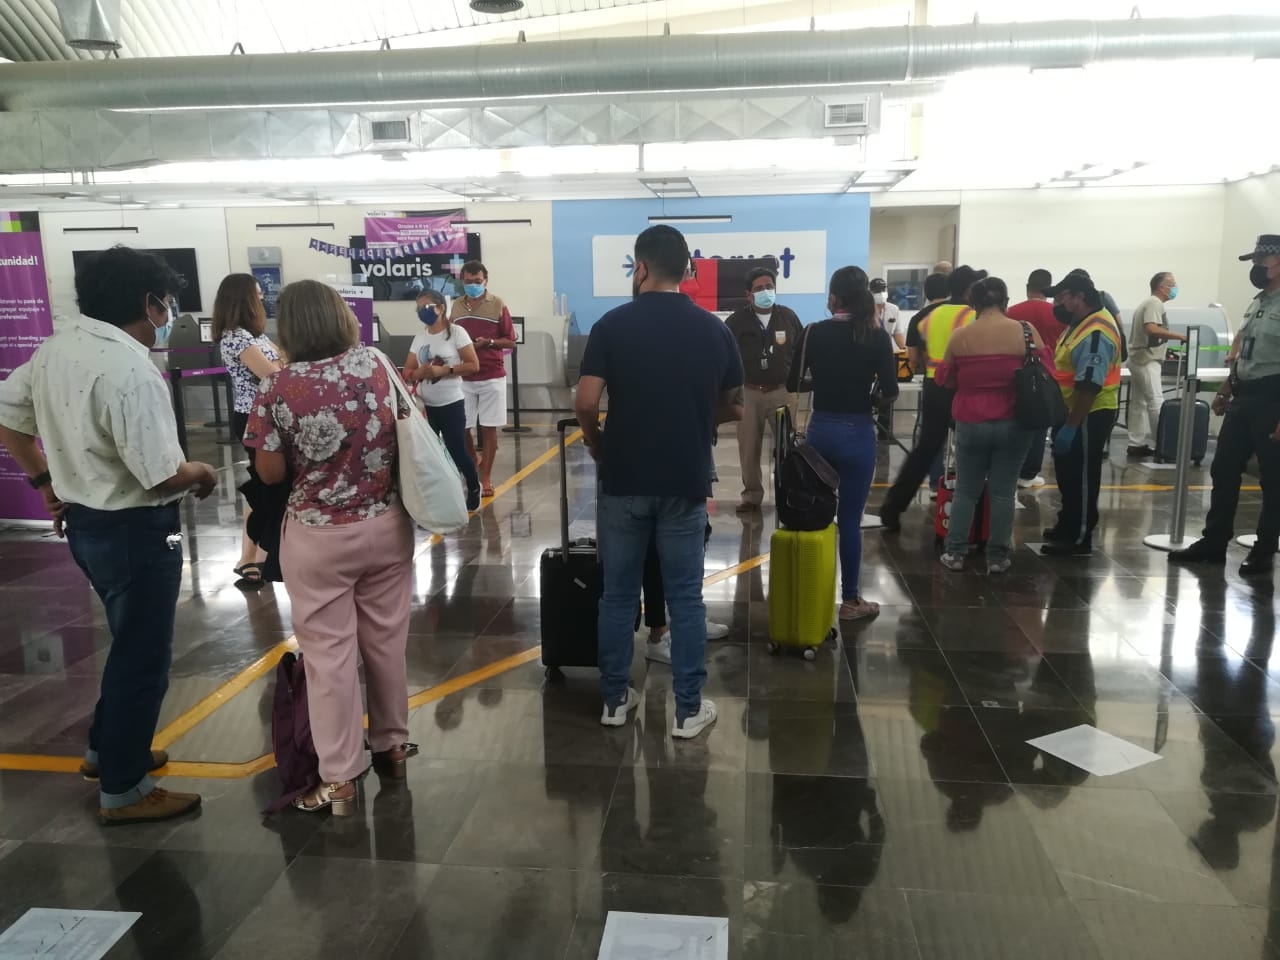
column 182, row 260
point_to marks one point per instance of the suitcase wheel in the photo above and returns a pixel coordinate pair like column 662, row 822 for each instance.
column 810, row 654
column 774, row 649
column 555, row 675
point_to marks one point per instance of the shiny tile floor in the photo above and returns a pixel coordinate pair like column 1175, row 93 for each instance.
column 881, row 802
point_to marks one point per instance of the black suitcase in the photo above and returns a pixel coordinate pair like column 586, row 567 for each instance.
column 571, row 588
column 1167, row 432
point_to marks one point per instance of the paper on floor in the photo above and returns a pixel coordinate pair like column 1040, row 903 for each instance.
column 64, row 934
column 660, row 936
column 1091, row 749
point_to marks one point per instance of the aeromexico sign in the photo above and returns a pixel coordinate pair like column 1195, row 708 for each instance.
column 801, row 256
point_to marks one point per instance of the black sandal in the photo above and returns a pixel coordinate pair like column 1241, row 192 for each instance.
column 250, row 575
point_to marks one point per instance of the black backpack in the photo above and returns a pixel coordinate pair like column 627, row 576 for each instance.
column 805, row 486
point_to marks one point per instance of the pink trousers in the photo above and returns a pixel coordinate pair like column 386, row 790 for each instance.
column 350, row 587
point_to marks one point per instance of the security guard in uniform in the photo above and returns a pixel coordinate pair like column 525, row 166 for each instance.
column 935, row 331
column 1251, row 401
column 1087, row 369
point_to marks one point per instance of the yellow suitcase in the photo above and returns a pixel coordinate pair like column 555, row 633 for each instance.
column 802, row 589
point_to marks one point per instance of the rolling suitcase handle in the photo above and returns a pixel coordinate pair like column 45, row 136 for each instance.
column 561, row 427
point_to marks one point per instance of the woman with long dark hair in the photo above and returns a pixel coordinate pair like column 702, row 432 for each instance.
column 849, row 358
column 240, row 331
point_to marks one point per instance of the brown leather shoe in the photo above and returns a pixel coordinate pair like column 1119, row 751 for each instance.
column 159, row 804
column 158, row 759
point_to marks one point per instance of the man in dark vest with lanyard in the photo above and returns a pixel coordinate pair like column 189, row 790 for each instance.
column 1251, row 401
column 1087, row 368
column 935, row 331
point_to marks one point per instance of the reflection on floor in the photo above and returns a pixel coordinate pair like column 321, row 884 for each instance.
column 880, row 802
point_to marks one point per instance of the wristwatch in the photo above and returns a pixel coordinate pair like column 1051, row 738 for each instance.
column 39, row 480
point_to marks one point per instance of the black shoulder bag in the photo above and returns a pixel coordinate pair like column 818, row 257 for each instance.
column 1038, row 404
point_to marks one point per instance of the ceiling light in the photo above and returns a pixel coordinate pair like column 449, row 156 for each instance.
column 496, row 6
column 695, row 218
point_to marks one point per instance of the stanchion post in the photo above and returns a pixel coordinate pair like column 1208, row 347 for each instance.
column 1186, row 431
column 179, row 407
column 230, row 396
column 515, row 395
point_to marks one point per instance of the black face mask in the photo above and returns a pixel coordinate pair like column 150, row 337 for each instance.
column 1063, row 315
column 1259, row 277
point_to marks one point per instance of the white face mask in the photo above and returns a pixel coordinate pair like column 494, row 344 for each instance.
column 881, row 298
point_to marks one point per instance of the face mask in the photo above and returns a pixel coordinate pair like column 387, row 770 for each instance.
column 881, row 297
column 1259, row 276
column 1063, row 315
column 765, row 299
column 1173, row 293
column 474, row 291
column 428, row 315
column 162, row 331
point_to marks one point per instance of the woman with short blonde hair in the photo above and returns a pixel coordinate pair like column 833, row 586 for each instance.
column 346, row 551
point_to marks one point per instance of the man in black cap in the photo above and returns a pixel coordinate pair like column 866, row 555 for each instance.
column 1250, row 399
column 1087, row 368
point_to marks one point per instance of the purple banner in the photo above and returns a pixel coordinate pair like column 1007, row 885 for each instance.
column 25, row 322
column 439, row 234
column 360, row 300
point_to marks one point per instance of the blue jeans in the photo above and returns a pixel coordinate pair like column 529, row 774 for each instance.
column 625, row 525
column 990, row 453
column 450, row 422
column 137, row 575
column 847, row 441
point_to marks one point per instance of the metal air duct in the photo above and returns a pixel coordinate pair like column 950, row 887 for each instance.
column 668, row 65
column 90, row 24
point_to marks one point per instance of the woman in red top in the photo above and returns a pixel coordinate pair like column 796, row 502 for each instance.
column 979, row 365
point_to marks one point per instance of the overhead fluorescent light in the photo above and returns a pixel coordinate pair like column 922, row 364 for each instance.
column 100, row 229
column 695, row 218
column 291, row 226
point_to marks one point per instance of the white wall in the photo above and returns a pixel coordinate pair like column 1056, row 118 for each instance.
column 518, row 255
column 1252, row 208
column 1121, row 236
column 906, row 236
column 202, row 230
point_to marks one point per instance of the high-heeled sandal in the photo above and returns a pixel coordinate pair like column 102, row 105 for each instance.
column 338, row 797
column 391, row 763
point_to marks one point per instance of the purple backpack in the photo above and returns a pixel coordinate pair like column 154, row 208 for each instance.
column 291, row 742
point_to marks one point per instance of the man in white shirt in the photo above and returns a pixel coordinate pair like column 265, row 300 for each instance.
column 1148, row 336
column 888, row 315
column 112, row 473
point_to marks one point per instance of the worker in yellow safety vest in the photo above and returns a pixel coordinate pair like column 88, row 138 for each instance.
column 930, row 338
column 1087, row 369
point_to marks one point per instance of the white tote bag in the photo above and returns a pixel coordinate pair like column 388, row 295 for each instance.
column 430, row 485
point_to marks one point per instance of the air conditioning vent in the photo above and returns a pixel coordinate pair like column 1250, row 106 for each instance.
column 390, row 131
column 847, row 114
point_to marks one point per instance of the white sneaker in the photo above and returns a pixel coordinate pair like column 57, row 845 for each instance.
column 951, row 561
column 694, row 725
column 1033, row 482
column 715, row 631
column 617, row 716
column 659, row 652
column 1000, row 566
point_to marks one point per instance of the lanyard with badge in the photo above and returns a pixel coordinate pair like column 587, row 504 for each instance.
column 769, row 344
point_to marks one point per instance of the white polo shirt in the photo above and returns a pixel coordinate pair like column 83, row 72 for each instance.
column 103, row 414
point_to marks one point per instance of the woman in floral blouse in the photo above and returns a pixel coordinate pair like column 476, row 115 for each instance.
column 327, row 420
column 239, row 329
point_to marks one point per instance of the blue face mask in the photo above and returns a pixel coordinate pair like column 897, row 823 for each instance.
column 764, row 299
column 428, row 315
column 1173, row 293
column 473, row 290
column 163, row 331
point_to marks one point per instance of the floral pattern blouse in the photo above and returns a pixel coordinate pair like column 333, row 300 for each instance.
column 334, row 420
column 233, row 343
